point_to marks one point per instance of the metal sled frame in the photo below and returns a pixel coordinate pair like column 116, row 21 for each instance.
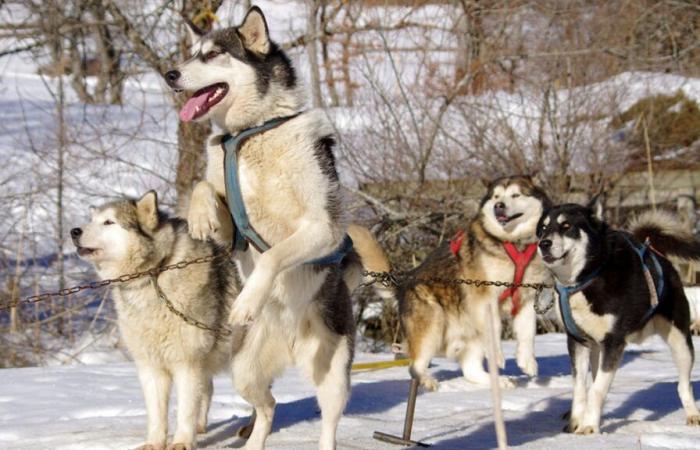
column 407, row 424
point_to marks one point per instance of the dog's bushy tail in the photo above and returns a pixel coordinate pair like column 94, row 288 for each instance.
column 666, row 234
column 372, row 255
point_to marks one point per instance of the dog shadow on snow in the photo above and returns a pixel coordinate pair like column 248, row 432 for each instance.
column 365, row 398
column 379, row 396
column 659, row 400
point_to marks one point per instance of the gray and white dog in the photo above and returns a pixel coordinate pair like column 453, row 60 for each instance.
column 296, row 313
column 128, row 236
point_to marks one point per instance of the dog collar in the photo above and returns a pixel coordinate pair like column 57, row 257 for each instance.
column 244, row 232
column 521, row 260
column 565, row 306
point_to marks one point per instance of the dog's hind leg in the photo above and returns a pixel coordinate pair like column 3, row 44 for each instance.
column 471, row 360
column 155, row 383
column 424, row 338
column 190, row 382
column 525, row 324
column 681, row 345
column 204, row 405
column 253, row 384
column 332, row 382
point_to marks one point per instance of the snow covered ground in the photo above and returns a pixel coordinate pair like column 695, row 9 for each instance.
column 100, row 407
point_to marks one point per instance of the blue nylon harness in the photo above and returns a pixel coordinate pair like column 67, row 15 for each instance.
column 566, row 291
column 244, row 232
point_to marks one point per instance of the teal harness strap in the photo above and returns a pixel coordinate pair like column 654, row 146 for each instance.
column 641, row 251
column 565, row 306
column 244, row 232
column 566, row 291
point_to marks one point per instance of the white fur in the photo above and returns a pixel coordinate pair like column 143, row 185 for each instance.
column 165, row 349
column 285, row 194
column 521, row 229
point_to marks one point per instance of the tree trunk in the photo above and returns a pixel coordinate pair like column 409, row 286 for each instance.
column 312, row 27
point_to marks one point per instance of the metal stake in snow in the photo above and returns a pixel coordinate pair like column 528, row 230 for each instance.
column 492, row 350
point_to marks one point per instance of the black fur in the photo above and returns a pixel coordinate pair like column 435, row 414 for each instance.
column 683, row 246
column 620, row 288
column 272, row 66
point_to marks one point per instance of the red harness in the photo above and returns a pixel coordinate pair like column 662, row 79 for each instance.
column 521, row 260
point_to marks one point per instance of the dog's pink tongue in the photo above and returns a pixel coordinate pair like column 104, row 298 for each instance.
column 189, row 111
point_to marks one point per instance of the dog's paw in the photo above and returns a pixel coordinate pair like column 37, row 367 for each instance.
column 566, row 415
column 243, row 313
column 506, row 382
column 202, row 224
column 693, row 420
column 586, row 429
column 151, row 447
column 528, row 365
column 201, row 428
column 429, row 383
column 180, row 446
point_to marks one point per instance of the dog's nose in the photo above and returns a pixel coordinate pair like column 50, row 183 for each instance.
column 75, row 233
column 500, row 206
column 545, row 244
column 171, row 77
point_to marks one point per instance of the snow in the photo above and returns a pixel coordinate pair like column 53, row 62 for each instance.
column 101, row 407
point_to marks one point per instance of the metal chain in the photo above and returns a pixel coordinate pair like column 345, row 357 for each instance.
column 120, row 279
column 397, row 278
column 221, row 331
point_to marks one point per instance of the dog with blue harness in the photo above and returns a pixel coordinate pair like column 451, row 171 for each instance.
column 616, row 287
column 272, row 191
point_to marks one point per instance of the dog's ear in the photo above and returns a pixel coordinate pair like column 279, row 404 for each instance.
column 147, row 210
column 596, row 207
column 254, row 32
column 194, row 33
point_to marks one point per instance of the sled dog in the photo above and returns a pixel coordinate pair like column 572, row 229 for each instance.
column 296, row 313
column 450, row 320
column 617, row 287
column 129, row 236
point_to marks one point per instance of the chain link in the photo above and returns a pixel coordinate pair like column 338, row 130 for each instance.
column 120, row 279
column 398, row 278
column 221, row 331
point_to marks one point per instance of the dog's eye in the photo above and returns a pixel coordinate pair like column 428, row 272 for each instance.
column 565, row 226
column 515, row 195
column 107, row 222
column 211, row 54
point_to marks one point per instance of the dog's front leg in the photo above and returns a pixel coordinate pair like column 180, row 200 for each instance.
column 313, row 240
column 525, row 324
column 610, row 357
column 155, row 383
column 190, row 383
column 208, row 216
column 580, row 358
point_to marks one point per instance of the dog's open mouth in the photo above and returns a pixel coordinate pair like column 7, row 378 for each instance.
column 87, row 251
column 504, row 219
column 202, row 101
column 551, row 259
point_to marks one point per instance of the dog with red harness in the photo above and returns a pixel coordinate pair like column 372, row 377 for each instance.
column 499, row 244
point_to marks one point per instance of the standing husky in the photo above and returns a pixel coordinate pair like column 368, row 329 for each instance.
column 129, row 236
column 296, row 313
column 611, row 299
column 451, row 320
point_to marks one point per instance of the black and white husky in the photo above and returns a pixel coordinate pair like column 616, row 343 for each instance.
column 296, row 313
column 617, row 287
